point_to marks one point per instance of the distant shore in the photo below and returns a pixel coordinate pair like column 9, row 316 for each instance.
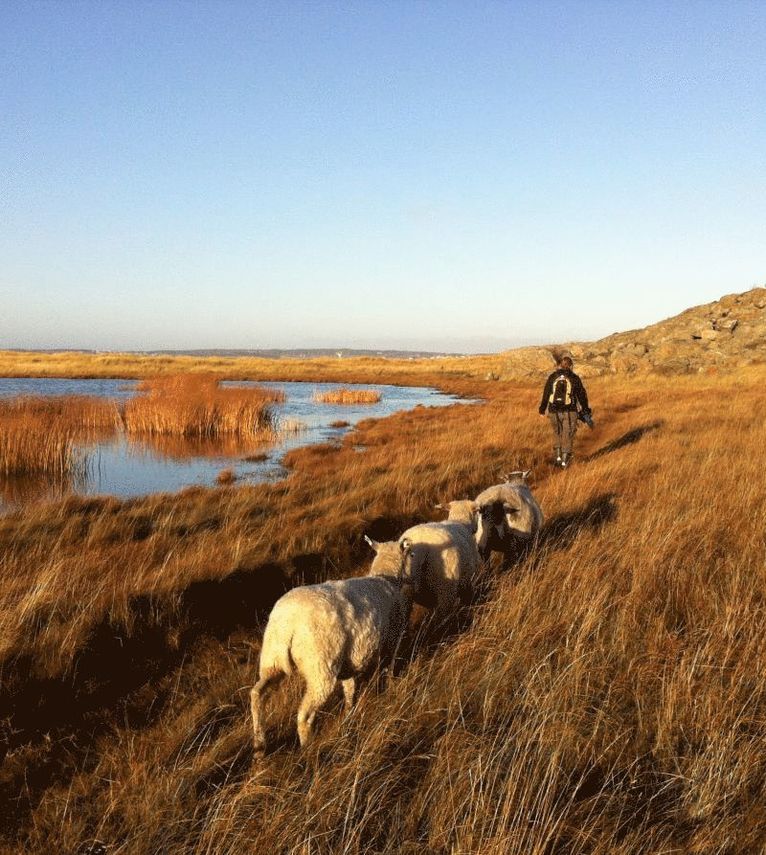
column 446, row 372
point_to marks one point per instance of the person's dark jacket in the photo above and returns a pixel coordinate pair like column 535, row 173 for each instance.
column 579, row 395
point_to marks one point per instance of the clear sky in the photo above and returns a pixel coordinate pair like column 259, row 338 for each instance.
column 437, row 175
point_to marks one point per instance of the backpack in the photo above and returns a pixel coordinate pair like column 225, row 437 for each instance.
column 561, row 394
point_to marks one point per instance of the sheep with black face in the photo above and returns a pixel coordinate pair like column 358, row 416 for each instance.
column 443, row 559
column 509, row 516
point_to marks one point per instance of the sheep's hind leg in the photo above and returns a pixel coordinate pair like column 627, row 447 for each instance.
column 267, row 682
column 315, row 698
column 444, row 615
column 391, row 664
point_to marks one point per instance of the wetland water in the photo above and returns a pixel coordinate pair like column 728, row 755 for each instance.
column 127, row 467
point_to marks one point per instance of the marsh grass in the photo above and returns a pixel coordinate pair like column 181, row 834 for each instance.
column 362, row 369
column 605, row 695
column 226, row 476
column 346, row 395
column 195, row 405
column 45, row 439
column 41, row 436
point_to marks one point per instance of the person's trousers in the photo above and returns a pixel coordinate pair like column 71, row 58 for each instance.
column 564, row 428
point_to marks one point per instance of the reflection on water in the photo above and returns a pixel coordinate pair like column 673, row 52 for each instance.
column 182, row 448
column 128, row 467
column 20, row 490
column 131, row 466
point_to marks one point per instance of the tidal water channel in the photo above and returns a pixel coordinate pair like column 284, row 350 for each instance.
column 126, row 466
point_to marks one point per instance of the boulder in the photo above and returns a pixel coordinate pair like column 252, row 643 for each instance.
column 635, row 349
column 622, row 364
column 675, row 365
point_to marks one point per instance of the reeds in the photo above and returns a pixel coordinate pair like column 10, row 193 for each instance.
column 40, row 436
column 226, row 476
column 346, row 395
column 25, row 451
column 195, row 405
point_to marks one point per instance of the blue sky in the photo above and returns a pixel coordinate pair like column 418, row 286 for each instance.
column 457, row 176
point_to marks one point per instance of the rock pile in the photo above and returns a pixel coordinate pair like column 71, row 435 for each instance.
column 726, row 334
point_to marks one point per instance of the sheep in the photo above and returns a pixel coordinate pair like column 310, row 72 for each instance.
column 443, row 558
column 464, row 511
column 509, row 516
column 336, row 631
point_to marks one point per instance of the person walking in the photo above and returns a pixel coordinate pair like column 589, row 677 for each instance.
column 563, row 396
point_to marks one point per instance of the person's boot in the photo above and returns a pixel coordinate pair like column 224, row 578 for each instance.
column 566, row 459
column 558, row 460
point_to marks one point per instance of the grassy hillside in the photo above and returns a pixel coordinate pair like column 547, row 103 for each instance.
column 605, row 695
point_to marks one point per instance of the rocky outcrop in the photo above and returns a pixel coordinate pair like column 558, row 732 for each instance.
column 726, row 334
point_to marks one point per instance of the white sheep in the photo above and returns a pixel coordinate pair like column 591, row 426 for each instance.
column 442, row 558
column 465, row 511
column 333, row 632
column 509, row 516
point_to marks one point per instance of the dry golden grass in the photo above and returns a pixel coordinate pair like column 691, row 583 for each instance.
column 360, row 369
column 226, row 476
column 607, row 695
column 194, row 405
column 345, row 395
column 39, row 436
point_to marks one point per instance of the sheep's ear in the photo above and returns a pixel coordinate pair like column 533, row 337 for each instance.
column 517, row 474
column 373, row 543
column 405, row 545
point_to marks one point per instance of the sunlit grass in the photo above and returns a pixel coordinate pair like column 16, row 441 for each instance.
column 40, row 436
column 607, row 696
column 195, row 405
column 345, row 395
column 358, row 369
